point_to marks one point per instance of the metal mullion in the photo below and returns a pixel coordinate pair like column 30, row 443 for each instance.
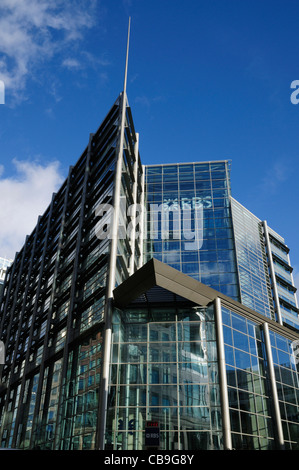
column 142, row 227
column 27, row 355
column 11, row 317
column 39, row 397
column 20, row 409
column 226, row 426
column 178, row 381
column 73, row 286
column 128, row 131
column 274, row 395
column 50, row 311
column 133, row 234
column 108, row 123
column 7, row 301
column 102, row 410
column 15, row 288
column 42, row 365
column 147, row 398
column 117, row 394
column 272, row 272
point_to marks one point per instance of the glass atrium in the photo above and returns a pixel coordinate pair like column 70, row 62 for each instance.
column 219, row 376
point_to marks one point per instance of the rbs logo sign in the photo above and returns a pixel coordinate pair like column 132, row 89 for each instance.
column 295, row 94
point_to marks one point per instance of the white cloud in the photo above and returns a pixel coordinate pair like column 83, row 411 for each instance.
column 85, row 59
column 23, row 197
column 143, row 101
column 275, row 177
column 32, row 31
column 71, row 63
column 147, row 102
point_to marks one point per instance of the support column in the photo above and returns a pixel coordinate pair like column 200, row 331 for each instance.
column 227, row 441
column 102, row 415
column 271, row 371
column 143, row 220
column 111, row 282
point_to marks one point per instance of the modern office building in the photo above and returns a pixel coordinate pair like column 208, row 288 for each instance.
column 197, row 227
column 147, row 294
column 55, row 308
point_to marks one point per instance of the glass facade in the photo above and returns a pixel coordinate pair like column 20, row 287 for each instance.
column 264, row 269
column 248, row 388
column 253, row 424
column 287, row 304
column 254, row 279
column 164, row 368
column 56, row 416
column 189, row 225
column 287, row 380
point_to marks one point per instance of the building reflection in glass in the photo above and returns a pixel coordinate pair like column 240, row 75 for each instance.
column 164, row 369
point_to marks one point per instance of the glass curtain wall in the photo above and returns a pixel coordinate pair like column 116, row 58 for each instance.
column 164, row 368
column 248, row 390
column 252, row 261
column 250, row 395
column 286, row 290
column 286, row 366
column 189, row 224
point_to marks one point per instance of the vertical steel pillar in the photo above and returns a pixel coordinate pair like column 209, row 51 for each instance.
column 143, row 221
column 222, row 376
column 276, row 408
column 102, row 415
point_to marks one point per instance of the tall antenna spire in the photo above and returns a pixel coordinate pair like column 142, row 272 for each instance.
column 111, row 283
column 127, row 58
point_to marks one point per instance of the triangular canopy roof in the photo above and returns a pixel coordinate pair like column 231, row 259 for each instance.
column 159, row 283
column 150, row 280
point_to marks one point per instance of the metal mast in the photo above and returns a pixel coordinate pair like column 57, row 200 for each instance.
column 112, row 263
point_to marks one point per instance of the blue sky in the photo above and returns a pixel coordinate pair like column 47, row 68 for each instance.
column 207, row 80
